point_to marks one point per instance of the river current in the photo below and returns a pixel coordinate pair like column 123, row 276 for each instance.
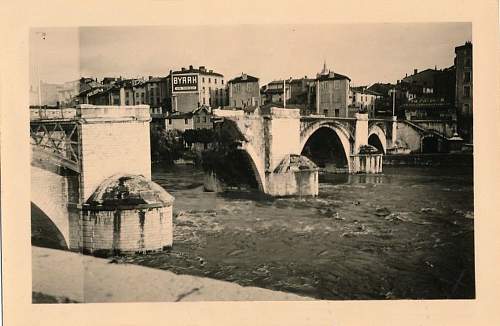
column 404, row 234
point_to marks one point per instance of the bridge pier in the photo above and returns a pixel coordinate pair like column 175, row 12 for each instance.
column 108, row 202
column 361, row 132
column 275, row 138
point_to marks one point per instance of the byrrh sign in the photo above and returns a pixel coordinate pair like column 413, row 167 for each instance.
column 184, row 83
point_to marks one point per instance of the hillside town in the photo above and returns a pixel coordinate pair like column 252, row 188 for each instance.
column 232, row 188
column 186, row 98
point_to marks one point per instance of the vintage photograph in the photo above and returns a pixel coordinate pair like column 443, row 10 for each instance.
column 252, row 162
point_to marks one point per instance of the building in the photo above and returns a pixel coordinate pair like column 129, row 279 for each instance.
column 180, row 121
column 299, row 90
column 156, row 91
column 109, row 95
column 332, row 93
column 429, row 108
column 140, row 93
column 425, row 80
column 200, row 118
column 194, row 87
column 362, row 100
column 244, row 91
column 463, row 90
column 392, row 97
column 273, row 92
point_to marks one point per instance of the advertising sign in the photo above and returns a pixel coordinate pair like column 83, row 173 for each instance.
column 185, row 83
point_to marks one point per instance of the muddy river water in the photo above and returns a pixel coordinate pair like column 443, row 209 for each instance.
column 405, row 234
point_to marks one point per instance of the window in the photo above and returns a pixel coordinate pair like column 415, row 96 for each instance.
column 197, row 119
column 185, row 121
column 325, row 112
column 169, row 121
column 336, row 84
column 337, row 112
column 466, row 91
column 204, row 119
column 203, row 79
column 209, row 80
column 222, row 81
column 466, row 109
column 215, row 80
column 467, row 77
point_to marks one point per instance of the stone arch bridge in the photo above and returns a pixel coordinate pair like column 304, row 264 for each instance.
column 273, row 134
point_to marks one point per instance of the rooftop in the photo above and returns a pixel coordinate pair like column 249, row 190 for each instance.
column 201, row 70
column 244, row 78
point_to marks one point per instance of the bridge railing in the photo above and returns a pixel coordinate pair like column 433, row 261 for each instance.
column 37, row 113
column 59, row 138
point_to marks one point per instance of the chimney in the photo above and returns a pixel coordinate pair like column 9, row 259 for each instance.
column 150, row 77
column 183, row 69
column 243, row 76
column 202, row 68
column 210, row 70
column 190, row 67
column 415, row 71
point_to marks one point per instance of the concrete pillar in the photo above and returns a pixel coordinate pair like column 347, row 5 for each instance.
column 114, row 140
column 361, row 133
column 284, row 134
column 394, row 133
column 122, row 96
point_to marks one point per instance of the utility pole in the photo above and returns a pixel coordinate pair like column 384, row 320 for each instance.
column 37, row 66
column 393, row 101
column 284, row 93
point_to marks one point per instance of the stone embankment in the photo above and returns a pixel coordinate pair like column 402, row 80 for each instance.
column 437, row 159
column 80, row 278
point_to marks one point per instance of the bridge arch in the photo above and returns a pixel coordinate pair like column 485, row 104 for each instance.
column 377, row 138
column 430, row 143
column 44, row 232
column 342, row 134
column 258, row 169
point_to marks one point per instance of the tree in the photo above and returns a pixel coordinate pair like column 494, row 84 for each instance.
column 166, row 145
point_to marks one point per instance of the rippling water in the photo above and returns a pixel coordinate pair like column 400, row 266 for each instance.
column 405, row 234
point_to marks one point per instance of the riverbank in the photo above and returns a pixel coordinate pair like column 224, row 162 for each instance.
column 407, row 233
column 66, row 277
column 434, row 160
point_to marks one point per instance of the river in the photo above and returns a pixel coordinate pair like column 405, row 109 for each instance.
column 405, row 234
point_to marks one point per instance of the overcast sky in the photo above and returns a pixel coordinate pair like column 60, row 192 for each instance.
column 367, row 53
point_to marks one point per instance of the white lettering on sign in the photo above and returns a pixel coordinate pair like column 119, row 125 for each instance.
column 185, row 83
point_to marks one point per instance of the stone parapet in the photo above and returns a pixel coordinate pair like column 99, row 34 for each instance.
column 112, row 112
column 283, row 113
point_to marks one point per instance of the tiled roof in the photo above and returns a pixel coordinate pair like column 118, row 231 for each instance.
column 244, row 79
column 334, row 77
